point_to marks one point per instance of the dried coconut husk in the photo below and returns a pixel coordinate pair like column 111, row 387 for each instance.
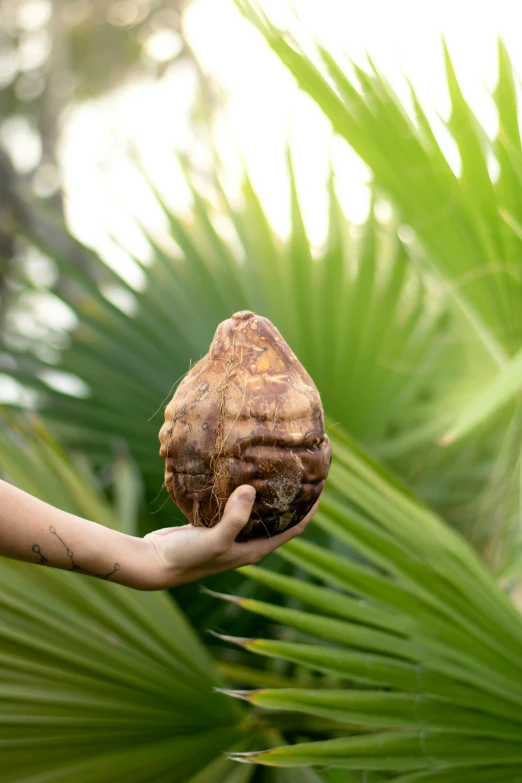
column 247, row 413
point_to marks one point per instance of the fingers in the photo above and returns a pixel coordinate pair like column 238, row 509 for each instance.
column 236, row 515
column 254, row 551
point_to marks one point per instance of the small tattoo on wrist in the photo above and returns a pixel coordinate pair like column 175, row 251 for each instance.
column 70, row 554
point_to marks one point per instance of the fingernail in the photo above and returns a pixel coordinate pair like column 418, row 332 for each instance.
column 246, row 494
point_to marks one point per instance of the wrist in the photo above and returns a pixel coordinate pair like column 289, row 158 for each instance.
column 146, row 568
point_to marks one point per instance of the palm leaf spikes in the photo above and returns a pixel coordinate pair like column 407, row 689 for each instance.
column 424, row 647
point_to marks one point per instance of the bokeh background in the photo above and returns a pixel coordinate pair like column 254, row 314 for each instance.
column 354, row 173
column 88, row 86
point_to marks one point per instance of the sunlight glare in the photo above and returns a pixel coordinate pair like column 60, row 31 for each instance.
column 263, row 110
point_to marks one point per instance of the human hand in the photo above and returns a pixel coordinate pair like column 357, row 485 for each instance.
column 187, row 553
column 38, row 533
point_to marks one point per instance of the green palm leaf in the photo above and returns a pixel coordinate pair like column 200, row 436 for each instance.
column 405, row 751
column 424, row 647
column 468, row 227
column 458, row 218
column 356, row 316
column 97, row 681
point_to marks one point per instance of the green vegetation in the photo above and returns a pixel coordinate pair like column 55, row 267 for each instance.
column 387, row 646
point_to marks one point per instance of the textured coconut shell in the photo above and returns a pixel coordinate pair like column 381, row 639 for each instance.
column 247, row 413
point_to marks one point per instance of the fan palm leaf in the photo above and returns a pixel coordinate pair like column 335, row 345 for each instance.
column 356, row 317
column 466, row 218
column 468, row 222
column 97, row 681
column 423, row 646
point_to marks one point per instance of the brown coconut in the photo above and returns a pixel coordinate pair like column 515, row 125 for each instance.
column 247, row 413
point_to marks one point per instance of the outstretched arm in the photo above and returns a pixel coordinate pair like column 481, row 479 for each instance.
column 36, row 532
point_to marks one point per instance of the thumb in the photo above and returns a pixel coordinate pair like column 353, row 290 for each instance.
column 236, row 515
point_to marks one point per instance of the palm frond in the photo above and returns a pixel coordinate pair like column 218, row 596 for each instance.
column 357, row 317
column 467, row 222
column 97, row 681
column 466, row 219
column 424, row 645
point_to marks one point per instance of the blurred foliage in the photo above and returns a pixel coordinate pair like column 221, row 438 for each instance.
column 466, row 225
column 411, row 326
column 103, row 382
column 386, row 344
column 54, row 55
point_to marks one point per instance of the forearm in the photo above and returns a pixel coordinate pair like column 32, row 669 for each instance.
column 36, row 532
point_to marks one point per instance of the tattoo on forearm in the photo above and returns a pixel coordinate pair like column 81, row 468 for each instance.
column 37, row 551
column 74, row 565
